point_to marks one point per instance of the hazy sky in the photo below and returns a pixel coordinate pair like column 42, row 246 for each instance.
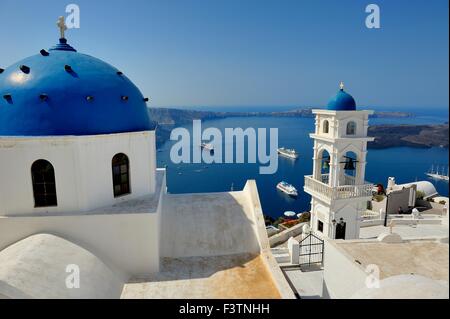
column 251, row 52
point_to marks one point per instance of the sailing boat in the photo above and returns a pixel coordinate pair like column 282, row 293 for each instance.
column 436, row 175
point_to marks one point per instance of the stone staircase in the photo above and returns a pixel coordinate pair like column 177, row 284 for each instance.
column 281, row 255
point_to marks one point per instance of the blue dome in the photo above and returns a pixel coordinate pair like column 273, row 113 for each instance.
column 342, row 101
column 63, row 92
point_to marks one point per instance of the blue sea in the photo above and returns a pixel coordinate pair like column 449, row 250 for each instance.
column 404, row 163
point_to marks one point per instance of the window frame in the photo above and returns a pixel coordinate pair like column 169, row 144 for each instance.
column 320, row 226
column 347, row 127
column 46, row 197
column 117, row 177
column 325, row 127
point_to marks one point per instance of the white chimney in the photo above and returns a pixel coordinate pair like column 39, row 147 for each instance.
column 391, row 183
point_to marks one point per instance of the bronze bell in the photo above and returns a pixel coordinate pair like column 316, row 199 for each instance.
column 326, row 164
column 349, row 165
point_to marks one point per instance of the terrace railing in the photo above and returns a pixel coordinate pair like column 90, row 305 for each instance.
column 340, row 192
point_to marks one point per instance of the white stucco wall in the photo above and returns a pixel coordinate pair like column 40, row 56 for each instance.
column 126, row 240
column 208, row 224
column 125, row 235
column 350, row 213
column 348, row 209
column 82, row 167
column 259, row 227
column 342, row 276
column 338, row 122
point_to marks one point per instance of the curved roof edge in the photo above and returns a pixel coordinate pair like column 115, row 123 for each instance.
column 23, row 263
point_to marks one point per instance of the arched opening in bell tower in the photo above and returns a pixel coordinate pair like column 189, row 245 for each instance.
column 326, row 127
column 324, row 166
column 349, row 162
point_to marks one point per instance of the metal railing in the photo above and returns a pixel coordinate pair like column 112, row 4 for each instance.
column 339, row 192
column 348, row 180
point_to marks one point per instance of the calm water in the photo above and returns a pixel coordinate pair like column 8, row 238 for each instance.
column 406, row 164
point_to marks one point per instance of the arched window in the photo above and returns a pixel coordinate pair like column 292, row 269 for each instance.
column 121, row 174
column 44, row 186
column 351, row 128
column 326, row 126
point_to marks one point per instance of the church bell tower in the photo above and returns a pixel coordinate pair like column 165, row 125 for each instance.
column 337, row 184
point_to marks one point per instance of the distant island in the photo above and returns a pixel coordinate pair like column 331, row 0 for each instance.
column 423, row 136
column 169, row 116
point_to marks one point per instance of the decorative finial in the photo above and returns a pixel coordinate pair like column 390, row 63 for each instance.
column 341, row 86
column 62, row 26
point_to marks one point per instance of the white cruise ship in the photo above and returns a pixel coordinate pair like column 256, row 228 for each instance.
column 287, row 188
column 291, row 153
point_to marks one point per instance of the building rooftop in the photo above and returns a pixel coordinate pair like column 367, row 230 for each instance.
column 220, row 277
column 38, row 267
column 212, row 246
column 422, row 231
column 427, row 258
column 215, row 224
column 426, row 187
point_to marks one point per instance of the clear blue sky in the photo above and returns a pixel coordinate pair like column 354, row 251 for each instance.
column 251, row 52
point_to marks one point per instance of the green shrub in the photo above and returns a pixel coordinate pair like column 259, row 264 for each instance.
column 305, row 217
column 420, row 195
column 290, row 223
column 379, row 198
column 279, row 220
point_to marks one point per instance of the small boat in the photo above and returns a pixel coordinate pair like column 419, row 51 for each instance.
column 287, row 188
column 288, row 152
column 289, row 213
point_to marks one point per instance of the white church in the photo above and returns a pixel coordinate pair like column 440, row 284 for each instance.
column 85, row 213
column 82, row 201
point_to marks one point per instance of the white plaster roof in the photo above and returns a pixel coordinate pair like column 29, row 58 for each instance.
column 406, row 287
column 208, row 224
column 238, row 276
column 424, row 186
column 35, row 267
column 426, row 257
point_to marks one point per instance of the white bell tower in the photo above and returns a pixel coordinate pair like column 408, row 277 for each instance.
column 337, row 186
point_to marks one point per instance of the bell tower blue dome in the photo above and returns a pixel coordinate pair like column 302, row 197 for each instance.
column 342, row 101
column 63, row 92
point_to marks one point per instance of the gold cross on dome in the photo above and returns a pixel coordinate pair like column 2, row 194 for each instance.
column 62, row 26
column 341, row 85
